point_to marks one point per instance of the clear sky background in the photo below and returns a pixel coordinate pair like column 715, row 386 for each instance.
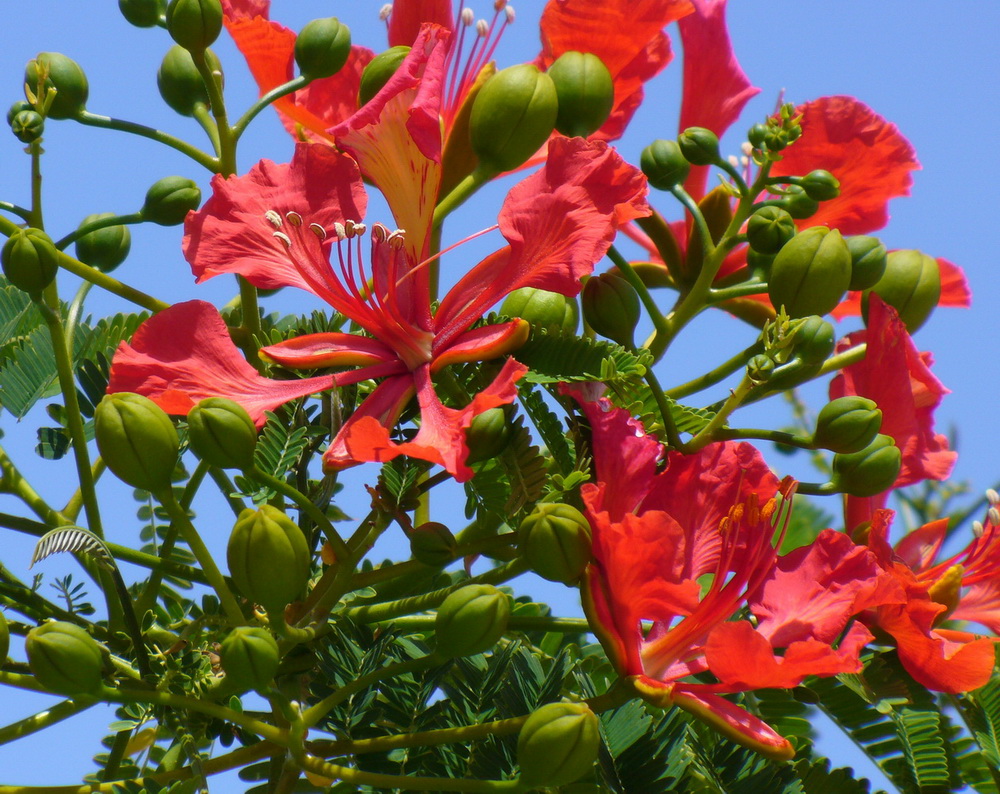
column 930, row 69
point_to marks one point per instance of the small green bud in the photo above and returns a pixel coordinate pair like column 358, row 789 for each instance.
column 871, row 471
column 137, row 440
column 432, row 544
column 813, row 340
column 513, row 114
column 810, row 273
column 611, row 307
column 104, row 248
column 549, row 311
column 143, row 13
column 759, row 263
column 28, row 126
column 471, row 620
column 322, row 47
column 64, row 658
column 760, row 368
column 170, row 199
column 268, row 558
column 586, row 93
column 488, row 435
column 798, row 204
column 180, row 82
column 699, row 146
column 820, row 185
column 868, row 260
column 664, row 165
column 222, row 433
column 847, row 424
column 555, row 539
column 30, row 260
column 66, row 77
column 911, row 284
column 194, row 24
column 757, row 135
column 769, row 228
column 776, row 139
column 378, row 72
column 250, row 658
column 16, row 108
column 4, row 638
column 557, row 744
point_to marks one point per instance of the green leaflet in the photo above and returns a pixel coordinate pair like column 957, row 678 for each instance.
column 554, row 358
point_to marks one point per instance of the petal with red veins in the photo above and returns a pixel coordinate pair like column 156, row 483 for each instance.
column 483, row 344
column 246, row 9
column 981, row 604
column 920, row 547
column 331, row 349
column 408, row 16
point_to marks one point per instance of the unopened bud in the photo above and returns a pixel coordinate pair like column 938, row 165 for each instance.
column 143, row 13
column 870, row 471
column 194, row 24
column 322, row 47
column 65, row 76
column 664, row 165
column 769, row 228
column 757, row 135
column 432, row 544
column 797, row 203
column 378, row 71
column 64, row 658
column 222, row 433
column 611, row 307
column 555, row 540
column 552, row 312
column 471, row 620
column 179, row 81
column 488, row 435
column 268, row 558
column 810, row 273
column 911, row 284
column 557, row 744
column 170, row 199
column 104, row 248
column 250, row 658
column 27, row 126
column 586, row 93
column 868, row 261
column 700, row 146
column 30, row 260
column 137, row 440
column 847, row 424
column 820, row 185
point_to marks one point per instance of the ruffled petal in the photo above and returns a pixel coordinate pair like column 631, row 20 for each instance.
column 246, row 9
column 408, row 16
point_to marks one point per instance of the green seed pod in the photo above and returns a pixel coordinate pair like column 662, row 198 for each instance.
column 471, row 620
column 28, row 126
column 30, row 260
column 322, row 47
column 558, row 744
column 137, row 440
column 820, row 185
column 586, row 93
column 810, row 273
column 611, row 307
column 544, row 310
column 871, row 471
column 104, row 248
column 911, row 284
column 555, row 539
column 868, row 260
column 378, row 72
column 4, row 638
column 664, row 165
column 268, row 558
column 769, row 228
column 64, row 658
column 170, row 199
column 143, row 13
column 513, row 114
column 432, row 544
column 757, row 135
column 488, row 435
column 194, row 24
column 222, row 433
column 250, row 658
column 847, row 424
column 179, row 81
column 699, row 146
column 66, row 76
column 798, row 204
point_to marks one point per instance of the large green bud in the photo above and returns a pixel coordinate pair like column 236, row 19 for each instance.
column 170, row 199
column 820, row 185
column 322, row 47
column 810, row 274
column 558, row 744
column 268, row 557
column 847, row 424
column 611, row 307
column 250, row 658
column 64, row 658
column 471, row 620
column 194, row 24
column 871, row 471
column 30, row 260
column 65, row 76
column 142, row 13
column 700, row 146
column 137, row 440
column 769, row 228
column 799, row 205
column 549, row 311
column 222, row 433
column 586, row 93
column 4, row 638
column 868, row 261
column 488, row 435
column 512, row 116
column 104, row 248
column 378, row 72
column 664, row 165
column 911, row 284
column 432, row 544
column 555, row 540
column 179, row 81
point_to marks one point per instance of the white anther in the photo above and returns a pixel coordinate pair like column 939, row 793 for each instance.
column 360, row 229
column 509, row 13
column 397, row 239
column 482, row 28
column 384, row 12
column 747, row 148
column 994, row 516
column 734, row 161
column 744, row 161
column 273, row 218
column 318, row 230
column 992, row 496
column 467, row 17
column 977, row 528
column 340, row 230
column 379, row 233
column 284, row 238
column 293, row 218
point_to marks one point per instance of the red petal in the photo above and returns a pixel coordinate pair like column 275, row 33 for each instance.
column 981, row 604
column 483, row 344
column 408, row 16
column 246, row 9
column 920, row 547
column 331, row 349
column 184, row 354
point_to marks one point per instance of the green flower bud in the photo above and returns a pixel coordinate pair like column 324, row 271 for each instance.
column 664, row 165
column 180, row 82
column 757, row 135
column 28, row 126
column 432, row 544
column 143, row 13
column 558, row 744
column 170, row 199
column 250, row 658
column 871, row 471
column 699, row 146
column 16, row 108
column 65, row 76
column 758, row 262
column 137, row 440
column 555, row 539
column 769, row 228
column 813, row 340
column 798, row 204
column 64, row 658
column 268, row 557
column 868, row 260
column 820, row 185
column 4, row 638
column 760, row 368
column 544, row 310
column 847, row 424
column 194, row 24
column 378, row 72
column 471, row 620
column 586, row 93
column 488, row 435
column 104, row 248
column 611, row 307
column 776, row 139
column 222, row 433
column 513, row 114
column 911, row 284
column 810, row 273
column 322, row 47
column 30, row 260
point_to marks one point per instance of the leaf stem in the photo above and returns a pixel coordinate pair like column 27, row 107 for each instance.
column 106, row 122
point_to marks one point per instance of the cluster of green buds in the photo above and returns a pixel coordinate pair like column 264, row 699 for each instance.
column 56, row 86
column 432, row 543
column 796, row 350
column 25, row 122
column 557, row 744
column 775, row 134
column 471, row 620
column 64, row 658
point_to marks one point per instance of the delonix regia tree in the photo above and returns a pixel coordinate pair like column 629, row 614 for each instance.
column 721, row 609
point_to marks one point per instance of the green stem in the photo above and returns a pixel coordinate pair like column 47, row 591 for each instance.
column 43, row 719
column 14, row 209
column 116, row 754
column 836, row 363
column 274, row 94
column 227, row 489
column 462, row 191
column 420, row 623
column 706, row 435
column 741, row 290
column 14, row 483
column 106, row 122
column 777, row 436
column 404, row 783
column 718, row 374
column 666, row 415
column 100, row 223
column 203, row 116
column 75, row 503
